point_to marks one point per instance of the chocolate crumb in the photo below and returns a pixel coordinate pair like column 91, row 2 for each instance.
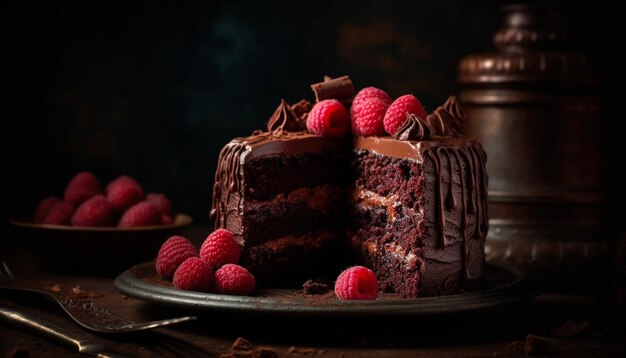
column 537, row 345
column 570, row 329
column 18, row 352
column 312, row 287
column 243, row 348
column 517, row 346
column 292, row 351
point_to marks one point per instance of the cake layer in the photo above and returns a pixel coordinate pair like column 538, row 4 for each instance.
column 266, row 164
column 294, row 259
column 301, row 211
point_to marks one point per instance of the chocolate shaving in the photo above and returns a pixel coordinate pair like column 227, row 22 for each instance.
column 448, row 119
column 340, row 88
column 244, row 348
column 284, row 119
column 301, row 109
column 570, row 329
column 414, row 128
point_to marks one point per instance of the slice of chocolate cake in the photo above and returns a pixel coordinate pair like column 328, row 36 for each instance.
column 282, row 194
column 419, row 214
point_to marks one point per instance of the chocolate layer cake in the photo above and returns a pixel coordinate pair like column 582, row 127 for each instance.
column 282, row 194
column 412, row 208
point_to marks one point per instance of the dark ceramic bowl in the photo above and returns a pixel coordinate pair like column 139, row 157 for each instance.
column 93, row 249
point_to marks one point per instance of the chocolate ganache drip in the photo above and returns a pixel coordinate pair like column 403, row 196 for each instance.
column 414, row 128
column 448, row 119
column 284, row 119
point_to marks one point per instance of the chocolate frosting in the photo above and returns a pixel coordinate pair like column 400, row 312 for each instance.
column 448, row 119
column 414, row 128
column 284, row 119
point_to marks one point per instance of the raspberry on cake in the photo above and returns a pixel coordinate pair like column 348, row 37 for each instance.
column 416, row 213
column 329, row 118
column 399, row 109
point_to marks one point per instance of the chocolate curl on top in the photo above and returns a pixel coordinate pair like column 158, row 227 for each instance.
column 340, row 88
column 301, row 109
column 414, row 128
column 448, row 119
column 284, row 119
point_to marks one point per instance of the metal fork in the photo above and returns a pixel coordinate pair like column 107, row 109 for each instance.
column 79, row 306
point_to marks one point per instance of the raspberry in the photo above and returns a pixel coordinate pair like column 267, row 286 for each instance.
column 357, row 283
column 166, row 219
column 232, row 279
column 122, row 178
column 367, row 118
column 172, row 253
column 60, row 214
column 329, row 118
column 94, row 212
column 161, row 202
column 82, row 187
column 122, row 194
column 140, row 214
column 369, row 93
column 43, row 209
column 220, row 248
column 398, row 110
column 194, row 275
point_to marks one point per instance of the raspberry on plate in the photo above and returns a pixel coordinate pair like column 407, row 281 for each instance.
column 60, row 214
column 357, row 283
column 220, row 248
column 172, row 253
column 44, row 207
column 140, row 214
column 367, row 118
column 232, row 279
column 329, row 118
column 94, row 212
column 194, row 275
column 122, row 194
column 82, row 187
column 399, row 109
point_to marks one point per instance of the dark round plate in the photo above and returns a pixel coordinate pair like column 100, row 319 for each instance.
column 497, row 287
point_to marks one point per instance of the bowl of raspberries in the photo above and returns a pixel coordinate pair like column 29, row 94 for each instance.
column 98, row 226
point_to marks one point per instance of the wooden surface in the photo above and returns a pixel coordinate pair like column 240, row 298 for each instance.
column 479, row 334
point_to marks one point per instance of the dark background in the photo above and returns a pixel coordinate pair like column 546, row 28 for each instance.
column 154, row 90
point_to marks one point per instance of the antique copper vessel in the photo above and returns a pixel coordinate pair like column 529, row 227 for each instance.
column 534, row 107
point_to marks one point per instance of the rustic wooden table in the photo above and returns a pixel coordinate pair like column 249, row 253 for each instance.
column 578, row 325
